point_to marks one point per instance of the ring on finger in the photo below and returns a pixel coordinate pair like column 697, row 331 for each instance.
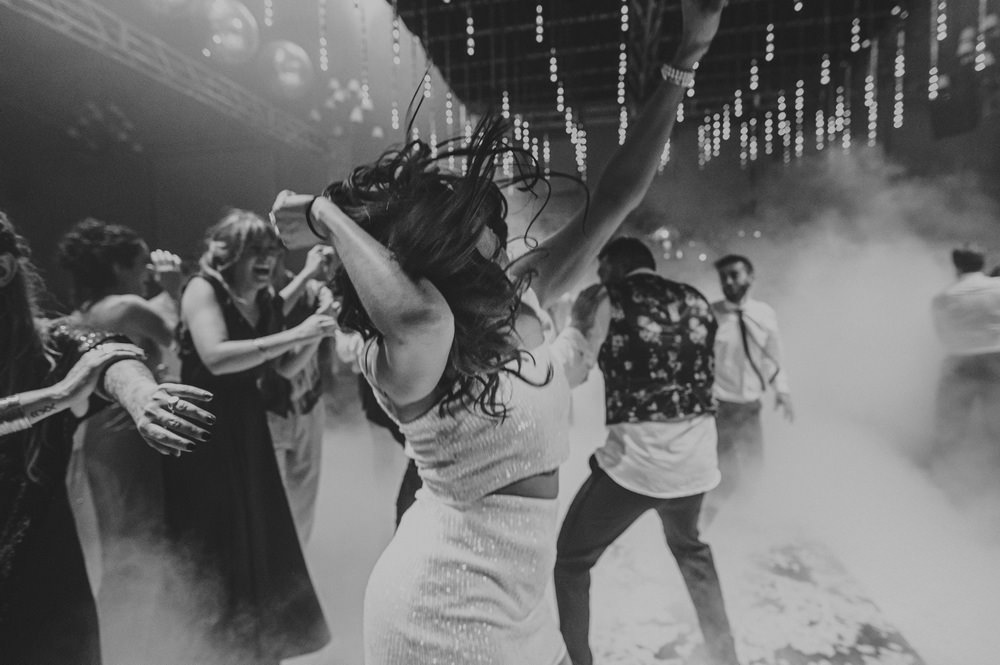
column 172, row 403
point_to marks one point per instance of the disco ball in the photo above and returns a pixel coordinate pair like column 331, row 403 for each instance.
column 289, row 69
column 234, row 35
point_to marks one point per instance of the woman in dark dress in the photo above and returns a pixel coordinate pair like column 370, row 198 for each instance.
column 226, row 508
column 48, row 378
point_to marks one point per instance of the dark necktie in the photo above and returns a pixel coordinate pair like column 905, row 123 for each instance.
column 746, row 349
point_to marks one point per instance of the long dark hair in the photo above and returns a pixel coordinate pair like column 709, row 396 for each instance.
column 90, row 250
column 432, row 220
column 26, row 360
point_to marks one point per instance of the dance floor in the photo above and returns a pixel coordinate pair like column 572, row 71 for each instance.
column 830, row 569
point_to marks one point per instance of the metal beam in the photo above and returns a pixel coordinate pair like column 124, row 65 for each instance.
column 99, row 29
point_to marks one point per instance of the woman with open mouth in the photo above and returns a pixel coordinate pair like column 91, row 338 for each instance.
column 226, row 509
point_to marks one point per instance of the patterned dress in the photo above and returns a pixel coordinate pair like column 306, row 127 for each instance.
column 464, row 579
column 47, row 612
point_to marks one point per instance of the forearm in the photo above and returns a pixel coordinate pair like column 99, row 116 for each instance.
column 129, row 382
column 564, row 258
column 234, row 356
column 293, row 291
column 295, row 361
column 19, row 412
column 398, row 305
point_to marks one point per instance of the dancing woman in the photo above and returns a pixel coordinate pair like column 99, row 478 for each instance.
column 226, row 509
column 458, row 359
column 50, row 378
column 109, row 265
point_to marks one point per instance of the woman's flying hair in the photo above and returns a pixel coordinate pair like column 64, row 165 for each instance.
column 431, row 220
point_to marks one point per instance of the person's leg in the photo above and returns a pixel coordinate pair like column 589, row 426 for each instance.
column 599, row 514
column 697, row 566
column 958, row 389
column 751, row 445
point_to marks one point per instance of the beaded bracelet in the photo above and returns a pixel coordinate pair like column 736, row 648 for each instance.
column 12, row 416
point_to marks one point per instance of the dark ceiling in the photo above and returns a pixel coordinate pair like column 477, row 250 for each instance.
column 585, row 37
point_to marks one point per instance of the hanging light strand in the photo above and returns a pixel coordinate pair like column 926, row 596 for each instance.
column 539, row 23
column 623, row 74
column 871, row 94
column 470, row 34
column 324, row 53
column 899, row 74
column 269, row 13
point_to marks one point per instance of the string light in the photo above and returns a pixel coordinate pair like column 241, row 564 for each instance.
column 395, row 114
column 800, row 117
column 680, row 112
column 546, row 152
column 553, row 66
column 738, row 104
column 753, row 139
column 824, row 70
column 942, row 20
column 664, row 157
column 716, row 135
column 505, row 105
column 769, row 46
column 820, row 130
column 784, row 128
column 933, row 80
column 470, row 31
column 900, row 74
column 855, row 35
column 797, row 6
column 449, row 121
column 871, row 95
column 269, row 13
column 726, row 122
column 560, row 98
column 702, row 147
column 623, row 75
column 754, row 74
column 744, row 143
column 366, row 101
column 324, row 54
column 433, row 138
column 768, row 133
column 981, row 60
column 395, row 39
column 539, row 24
column 427, row 84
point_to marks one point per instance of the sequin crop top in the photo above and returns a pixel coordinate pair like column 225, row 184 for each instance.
column 464, row 455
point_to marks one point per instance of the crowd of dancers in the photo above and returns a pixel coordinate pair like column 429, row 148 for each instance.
column 459, row 357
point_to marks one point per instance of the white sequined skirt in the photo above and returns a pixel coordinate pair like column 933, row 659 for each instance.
column 466, row 584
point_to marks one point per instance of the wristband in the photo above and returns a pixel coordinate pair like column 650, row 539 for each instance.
column 311, row 222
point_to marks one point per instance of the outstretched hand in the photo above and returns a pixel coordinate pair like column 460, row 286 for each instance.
column 170, row 422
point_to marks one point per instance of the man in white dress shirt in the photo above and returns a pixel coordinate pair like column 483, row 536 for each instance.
column 967, row 319
column 747, row 364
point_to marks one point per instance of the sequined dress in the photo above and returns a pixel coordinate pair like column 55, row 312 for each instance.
column 464, row 578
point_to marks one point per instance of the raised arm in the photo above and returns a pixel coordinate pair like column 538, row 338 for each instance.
column 221, row 355
column 415, row 322
column 564, row 257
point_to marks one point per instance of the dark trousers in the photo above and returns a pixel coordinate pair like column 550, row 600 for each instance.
column 601, row 511
column 741, row 446
column 967, row 382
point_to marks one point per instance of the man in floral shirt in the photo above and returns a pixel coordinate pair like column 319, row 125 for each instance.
column 660, row 453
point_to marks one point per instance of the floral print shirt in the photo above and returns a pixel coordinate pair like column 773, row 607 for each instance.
column 657, row 359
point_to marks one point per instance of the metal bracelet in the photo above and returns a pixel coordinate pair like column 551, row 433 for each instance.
column 12, row 416
column 680, row 77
